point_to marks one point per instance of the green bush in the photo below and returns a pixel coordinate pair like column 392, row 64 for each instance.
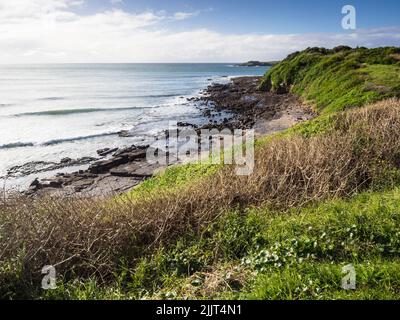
column 333, row 80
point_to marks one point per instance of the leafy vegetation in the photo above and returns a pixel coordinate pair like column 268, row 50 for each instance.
column 268, row 255
column 175, row 177
column 338, row 79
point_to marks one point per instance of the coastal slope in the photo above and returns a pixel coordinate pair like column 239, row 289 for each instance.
column 339, row 78
column 324, row 194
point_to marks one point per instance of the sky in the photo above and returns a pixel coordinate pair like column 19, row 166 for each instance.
column 122, row 31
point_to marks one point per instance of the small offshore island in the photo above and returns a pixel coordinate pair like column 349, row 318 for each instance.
column 257, row 64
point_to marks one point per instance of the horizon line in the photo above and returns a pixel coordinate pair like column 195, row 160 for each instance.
column 60, row 63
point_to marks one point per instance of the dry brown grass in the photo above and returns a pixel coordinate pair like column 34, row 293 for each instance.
column 217, row 279
column 395, row 56
column 89, row 237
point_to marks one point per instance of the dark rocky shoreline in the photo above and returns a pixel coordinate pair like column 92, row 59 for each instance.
column 123, row 170
column 118, row 170
column 252, row 108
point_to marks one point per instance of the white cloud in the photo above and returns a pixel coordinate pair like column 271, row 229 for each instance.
column 185, row 15
column 21, row 10
column 49, row 31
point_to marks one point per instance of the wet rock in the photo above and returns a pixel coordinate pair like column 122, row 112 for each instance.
column 106, row 151
column 120, row 157
column 42, row 166
column 186, row 124
column 55, row 184
column 133, row 170
column 30, row 168
column 105, row 166
column 282, row 89
column 84, row 160
column 81, row 185
column 125, row 134
column 249, row 98
column 35, row 184
column 207, row 113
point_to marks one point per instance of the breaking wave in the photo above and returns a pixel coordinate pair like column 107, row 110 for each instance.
column 55, row 141
column 76, row 111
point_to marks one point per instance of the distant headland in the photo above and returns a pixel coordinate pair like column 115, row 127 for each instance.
column 257, row 64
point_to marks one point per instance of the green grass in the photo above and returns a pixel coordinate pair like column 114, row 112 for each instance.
column 299, row 255
column 180, row 176
column 293, row 255
column 172, row 178
column 313, row 127
column 366, row 226
column 375, row 280
column 386, row 77
column 334, row 80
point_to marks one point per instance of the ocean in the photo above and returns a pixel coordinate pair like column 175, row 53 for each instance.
column 51, row 112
